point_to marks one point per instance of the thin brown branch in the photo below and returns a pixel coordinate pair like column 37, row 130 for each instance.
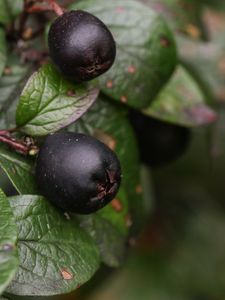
column 55, row 7
column 16, row 145
column 24, row 147
column 51, row 5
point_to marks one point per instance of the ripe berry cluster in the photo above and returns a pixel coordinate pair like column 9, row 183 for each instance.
column 76, row 172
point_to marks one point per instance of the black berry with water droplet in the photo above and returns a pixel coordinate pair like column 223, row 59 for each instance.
column 81, row 46
column 77, row 172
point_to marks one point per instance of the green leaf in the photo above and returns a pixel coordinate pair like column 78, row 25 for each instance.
column 48, row 102
column 9, row 10
column 108, row 229
column 215, row 4
column 216, row 149
column 183, row 16
column 19, row 170
column 148, row 190
column 11, row 80
column 142, row 272
column 146, row 53
column 107, row 122
column 4, row 12
column 11, row 84
column 15, row 7
column 181, row 102
column 56, row 255
column 198, row 247
column 8, row 236
column 205, row 61
column 3, row 50
column 178, row 271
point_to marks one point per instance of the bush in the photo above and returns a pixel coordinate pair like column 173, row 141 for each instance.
column 166, row 80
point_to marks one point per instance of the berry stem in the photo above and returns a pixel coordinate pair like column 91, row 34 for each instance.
column 4, row 133
column 55, row 7
column 51, row 5
column 37, row 8
column 17, row 145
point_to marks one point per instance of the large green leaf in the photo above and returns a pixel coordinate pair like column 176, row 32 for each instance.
column 19, row 170
column 146, row 54
column 107, row 121
column 181, row 102
column 56, row 255
column 48, row 102
column 8, row 236
column 3, row 50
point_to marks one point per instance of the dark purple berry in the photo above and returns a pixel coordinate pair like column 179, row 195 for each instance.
column 77, row 172
column 81, row 46
column 159, row 142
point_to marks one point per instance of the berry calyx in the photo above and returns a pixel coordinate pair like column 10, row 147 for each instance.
column 77, row 172
column 81, row 46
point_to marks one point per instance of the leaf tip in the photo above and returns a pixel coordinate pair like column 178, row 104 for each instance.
column 201, row 114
